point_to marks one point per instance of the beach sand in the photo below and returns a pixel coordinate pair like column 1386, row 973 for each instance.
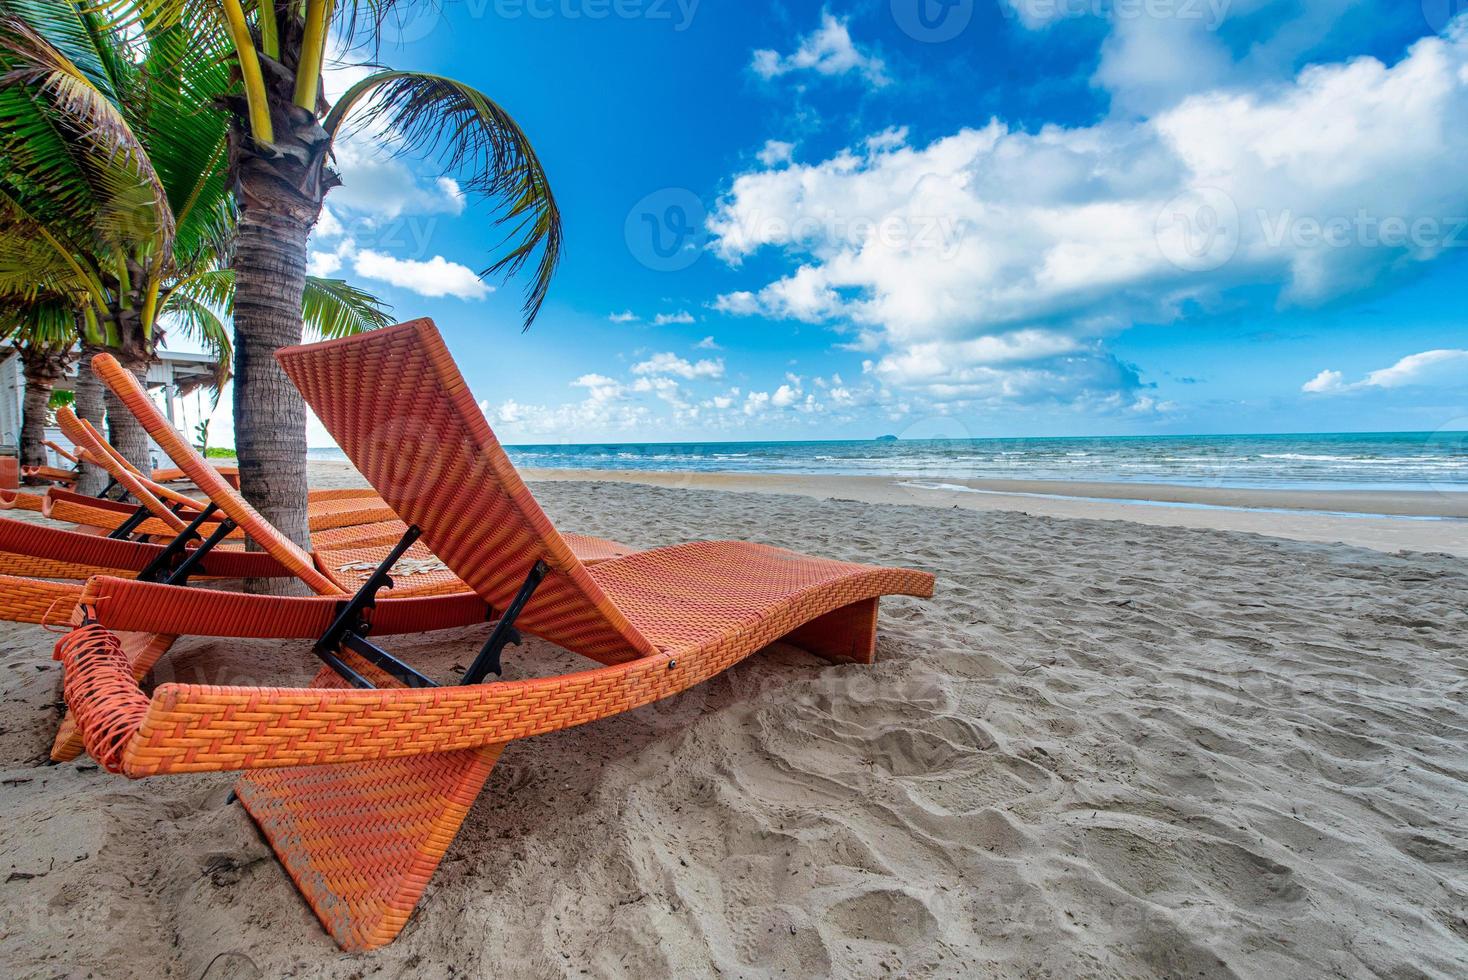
column 1105, row 748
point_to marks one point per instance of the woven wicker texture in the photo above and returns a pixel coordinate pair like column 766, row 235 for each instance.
column 127, row 605
column 30, row 600
column 401, row 411
column 208, row 479
column 364, row 839
column 98, row 451
column 19, row 500
column 48, row 473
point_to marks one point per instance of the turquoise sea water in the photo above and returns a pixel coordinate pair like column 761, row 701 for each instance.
column 1376, row 461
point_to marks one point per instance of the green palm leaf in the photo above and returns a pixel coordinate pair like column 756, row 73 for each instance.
column 469, row 135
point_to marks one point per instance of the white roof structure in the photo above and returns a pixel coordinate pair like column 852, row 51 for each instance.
column 175, row 381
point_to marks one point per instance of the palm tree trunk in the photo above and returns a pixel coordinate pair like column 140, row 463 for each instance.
column 124, row 431
column 34, row 407
column 91, row 406
column 279, row 195
column 135, row 351
column 269, row 415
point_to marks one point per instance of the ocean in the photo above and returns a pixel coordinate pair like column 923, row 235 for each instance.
column 1324, row 461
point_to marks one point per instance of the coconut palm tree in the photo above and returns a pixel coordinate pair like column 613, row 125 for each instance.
column 114, row 190
column 281, row 132
column 43, row 335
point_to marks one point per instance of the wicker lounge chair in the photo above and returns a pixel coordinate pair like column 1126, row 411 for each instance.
column 33, row 556
column 361, row 781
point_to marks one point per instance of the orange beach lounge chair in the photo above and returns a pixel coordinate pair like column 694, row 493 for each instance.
column 361, row 781
column 35, row 556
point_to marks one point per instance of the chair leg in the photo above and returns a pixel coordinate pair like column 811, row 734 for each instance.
column 143, row 650
column 845, row 635
column 362, row 840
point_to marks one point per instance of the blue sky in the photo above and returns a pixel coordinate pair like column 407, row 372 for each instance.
column 1005, row 217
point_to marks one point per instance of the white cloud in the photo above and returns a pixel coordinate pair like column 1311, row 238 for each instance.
column 626, row 316
column 663, row 319
column 1431, row 367
column 672, row 364
column 707, row 343
column 994, row 261
column 327, row 226
column 1325, row 381
column 827, row 51
column 436, row 277
column 323, row 264
column 776, row 152
column 375, row 182
column 1154, row 56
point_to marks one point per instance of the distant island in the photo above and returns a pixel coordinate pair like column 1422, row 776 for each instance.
column 885, row 439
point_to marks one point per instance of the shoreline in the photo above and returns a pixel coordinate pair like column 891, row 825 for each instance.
column 1390, row 521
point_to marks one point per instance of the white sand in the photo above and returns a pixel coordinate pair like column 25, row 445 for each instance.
column 1104, row 749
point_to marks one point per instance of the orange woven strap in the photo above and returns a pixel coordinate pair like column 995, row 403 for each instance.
column 62, row 495
column 126, row 605
column 16, row 500
column 345, row 493
column 41, row 542
column 172, row 474
column 49, row 473
column 382, row 534
column 30, row 600
column 101, row 692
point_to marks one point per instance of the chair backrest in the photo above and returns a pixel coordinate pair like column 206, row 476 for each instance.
column 127, row 388
column 95, row 448
column 398, row 407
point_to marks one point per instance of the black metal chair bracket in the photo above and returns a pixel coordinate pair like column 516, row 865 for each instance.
column 112, row 482
column 172, row 553
column 140, row 517
column 350, row 628
column 124, row 530
column 504, row 633
column 190, row 565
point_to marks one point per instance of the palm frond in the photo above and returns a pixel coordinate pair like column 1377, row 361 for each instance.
column 64, row 136
column 330, row 308
column 472, row 137
column 335, row 308
column 201, row 323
